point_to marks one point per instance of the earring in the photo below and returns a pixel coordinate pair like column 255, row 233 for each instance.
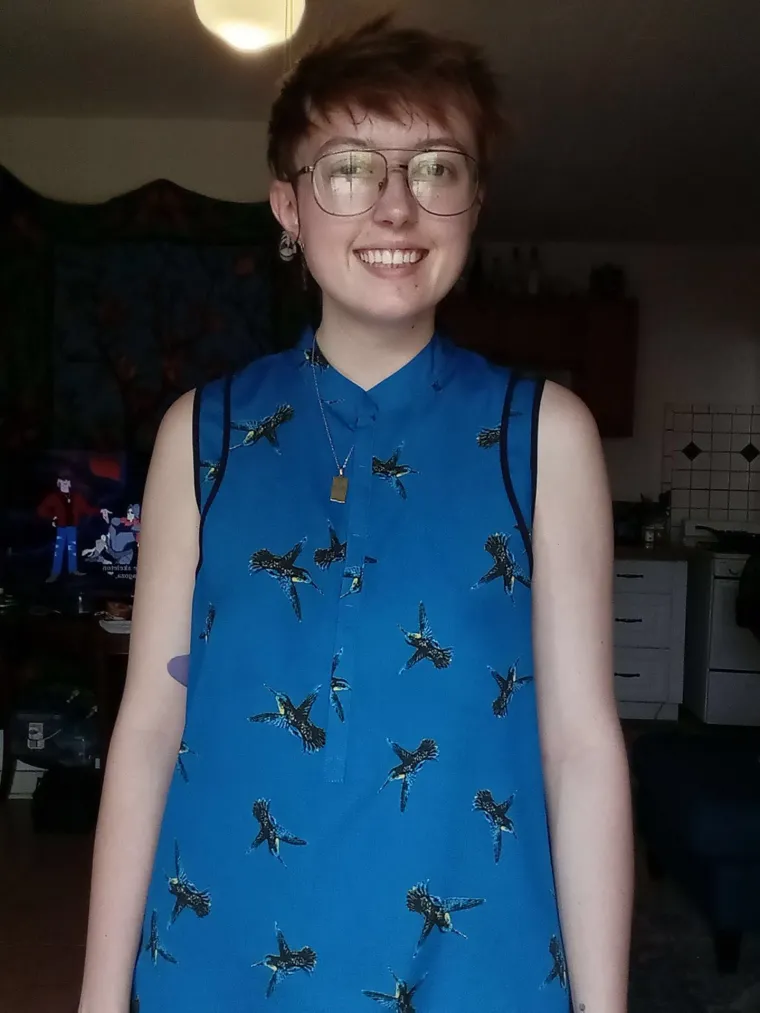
column 288, row 247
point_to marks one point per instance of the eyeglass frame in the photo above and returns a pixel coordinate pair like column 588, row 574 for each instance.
column 306, row 170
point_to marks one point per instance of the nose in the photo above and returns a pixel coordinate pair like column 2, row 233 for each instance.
column 396, row 206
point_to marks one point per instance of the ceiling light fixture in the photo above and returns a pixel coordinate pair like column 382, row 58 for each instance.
column 251, row 25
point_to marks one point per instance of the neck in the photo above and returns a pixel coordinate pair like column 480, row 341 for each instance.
column 366, row 352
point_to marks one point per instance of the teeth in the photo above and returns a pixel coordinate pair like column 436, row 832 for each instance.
column 390, row 257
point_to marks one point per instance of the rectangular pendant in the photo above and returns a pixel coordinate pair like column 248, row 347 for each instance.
column 339, row 489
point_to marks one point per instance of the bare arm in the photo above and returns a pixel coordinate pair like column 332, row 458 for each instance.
column 585, row 764
column 151, row 718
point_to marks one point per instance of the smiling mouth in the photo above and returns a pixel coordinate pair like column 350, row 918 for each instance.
column 391, row 258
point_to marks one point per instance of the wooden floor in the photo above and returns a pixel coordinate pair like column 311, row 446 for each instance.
column 43, row 915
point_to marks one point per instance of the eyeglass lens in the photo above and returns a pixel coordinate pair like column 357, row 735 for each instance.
column 350, row 182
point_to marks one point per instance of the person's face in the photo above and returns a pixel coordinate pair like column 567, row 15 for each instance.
column 345, row 254
column 64, row 484
column 130, row 514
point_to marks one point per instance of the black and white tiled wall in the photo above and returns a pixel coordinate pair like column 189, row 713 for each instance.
column 711, row 462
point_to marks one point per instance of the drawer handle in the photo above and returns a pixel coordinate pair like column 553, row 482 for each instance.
column 628, row 620
column 627, row 675
column 631, row 576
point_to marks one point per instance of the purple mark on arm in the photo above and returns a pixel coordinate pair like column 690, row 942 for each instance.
column 179, row 668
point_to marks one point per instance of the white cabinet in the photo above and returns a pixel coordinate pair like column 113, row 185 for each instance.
column 649, row 626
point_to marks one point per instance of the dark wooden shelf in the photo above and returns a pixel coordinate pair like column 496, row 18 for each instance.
column 594, row 341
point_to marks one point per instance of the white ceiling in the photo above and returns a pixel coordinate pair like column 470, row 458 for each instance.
column 639, row 119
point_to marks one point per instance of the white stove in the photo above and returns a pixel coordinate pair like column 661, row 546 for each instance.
column 722, row 662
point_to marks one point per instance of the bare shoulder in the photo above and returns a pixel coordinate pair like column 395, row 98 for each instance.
column 572, row 493
column 171, row 466
column 565, row 422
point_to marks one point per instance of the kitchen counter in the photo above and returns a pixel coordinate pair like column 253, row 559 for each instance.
column 665, row 553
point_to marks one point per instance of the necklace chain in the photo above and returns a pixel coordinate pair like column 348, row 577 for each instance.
column 324, row 416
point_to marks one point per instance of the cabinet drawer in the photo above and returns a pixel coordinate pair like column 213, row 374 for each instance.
column 733, row 698
column 644, row 576
column 641, row 673
column 642, row 620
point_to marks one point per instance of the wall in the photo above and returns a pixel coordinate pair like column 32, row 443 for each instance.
column 700, row 306
column 91, row 160
column 699, row 337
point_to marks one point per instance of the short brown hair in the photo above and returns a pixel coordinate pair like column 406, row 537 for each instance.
column 388, row 71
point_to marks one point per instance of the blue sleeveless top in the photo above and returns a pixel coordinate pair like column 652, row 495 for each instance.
column 357, row 814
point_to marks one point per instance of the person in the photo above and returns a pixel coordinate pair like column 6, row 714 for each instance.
column 65, row 508
column 389, row 791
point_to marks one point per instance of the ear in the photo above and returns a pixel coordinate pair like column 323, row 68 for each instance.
column 282, row 199
column 476, row 208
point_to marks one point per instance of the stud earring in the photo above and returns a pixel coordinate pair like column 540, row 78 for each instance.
column 288, row 247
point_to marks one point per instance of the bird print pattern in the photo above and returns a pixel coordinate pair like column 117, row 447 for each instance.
column 505, row 567
column 184, row 750
column 154, row 945
column 208, row 624
column 267, row 827
column 507, row 687
column 392, row 472
column 559, row 965
column 334, row 553
column 425, row 645
column 295, row 720
column 355, row 574
column 212, row 470
column 185, row 894
column 285, row 572
column 496, row 814
column 409, row 765
column 337, row 685
column 436, row 912
column 270, row 831
column 264, row 429
column 401, row 1000
column 286, row 961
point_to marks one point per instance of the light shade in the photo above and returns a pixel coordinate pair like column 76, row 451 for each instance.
column 251, row 25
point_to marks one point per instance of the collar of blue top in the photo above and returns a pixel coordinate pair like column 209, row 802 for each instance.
column 422, row 377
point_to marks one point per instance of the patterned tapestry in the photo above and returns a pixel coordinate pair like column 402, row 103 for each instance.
column 109, row 312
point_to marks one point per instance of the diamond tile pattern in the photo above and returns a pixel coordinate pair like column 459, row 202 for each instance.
column 711, row 462
column 691, row 451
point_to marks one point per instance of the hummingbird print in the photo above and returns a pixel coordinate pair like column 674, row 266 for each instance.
column 185, row 894
column 337, row 685
column 154, row 947
column 264, row 429
column 270, row 831
column 436, row 911
column 410, row 764
column 425, row 645
column 356, row 575
column 392, row 472
column 285, row 572
column 401, row 1000
column 559, row 965
column 296, row 720
column 497, row 815
column 507, row 687
column 505, row 567
column 286, row 961
column 208, row 624
column 334, row 553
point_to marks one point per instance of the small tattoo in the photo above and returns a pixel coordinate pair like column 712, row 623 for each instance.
column 582, row 1008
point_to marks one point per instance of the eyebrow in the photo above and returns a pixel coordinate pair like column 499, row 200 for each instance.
column 360, row 142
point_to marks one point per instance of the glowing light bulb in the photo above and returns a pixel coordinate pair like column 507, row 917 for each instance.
column 251, row 25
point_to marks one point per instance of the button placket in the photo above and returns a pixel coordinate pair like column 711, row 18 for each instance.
column 354, row 528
